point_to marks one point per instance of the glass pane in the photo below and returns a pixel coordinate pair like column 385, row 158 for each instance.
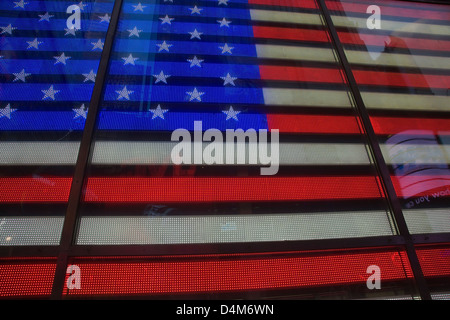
column 183, row 75
column 399, row 54
column 48, row 61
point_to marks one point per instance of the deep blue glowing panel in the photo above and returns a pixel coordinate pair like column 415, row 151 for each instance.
column 48, row 67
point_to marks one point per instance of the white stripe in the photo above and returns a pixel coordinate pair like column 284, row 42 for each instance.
column 404, row 101
column 353, row 56
column 395, row 26
column 427, row 220
column 107, row 152
column 38, row 153
column 285, row 17
column 30, row 231
column 306, row 97
column 137, row 152
column 396, row 60
column 351, row 22
column 441, row 296
column 231, row 228
column 295, row 53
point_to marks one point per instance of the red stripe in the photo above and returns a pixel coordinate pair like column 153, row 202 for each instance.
column 395, row 125
column 309, row 4
column 19, row 278
column 393, row 42
column 294, row 123
column 300, row 74
column 228, row 189
column 284, row 73
column 27, row 189
column 435, row 262
column 231, row 273
column 420, row 12
column 401, row 79
column 290, row 34
column 201, row 189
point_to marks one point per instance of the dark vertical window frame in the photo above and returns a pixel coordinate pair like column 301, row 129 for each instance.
column 76, row 189
column 377, row 156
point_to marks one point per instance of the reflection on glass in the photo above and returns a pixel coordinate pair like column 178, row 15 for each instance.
column 419, row 164
column 403, row 73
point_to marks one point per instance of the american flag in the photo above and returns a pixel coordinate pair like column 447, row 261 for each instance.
column 258, row 64
column 227, row 65
column 231, row 64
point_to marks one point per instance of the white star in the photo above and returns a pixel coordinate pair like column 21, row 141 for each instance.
column 228, row 79
column 195, row 62
column 21, row 75
column 129, row 60
column 226, row 48
column 161, row 77
column 80, row 112
column 158, row 112
column 124, row 93
column 89, row 76
column 98, row 45
column 20, row 4
column 166, row 19
column 106, row 18
column 225, row 2
column 34, row 44
column 50, row 93
column 134, row 32
column 8, row 29
column 70, row 31
column 45, row 17
column 224, row 22
column 61, row 59
column 139, row 7
column 195, row 34
column 231, row 113
column 6, row 111
column 195, row 9
column 81, row 5
column 195, row 95
column 164, row 46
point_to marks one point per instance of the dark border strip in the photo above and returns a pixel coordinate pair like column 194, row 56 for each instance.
column 377, row 155
column 70, row 220
column 222, row 248
column 28, row 251
column 243, row 247
column 431, row 238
